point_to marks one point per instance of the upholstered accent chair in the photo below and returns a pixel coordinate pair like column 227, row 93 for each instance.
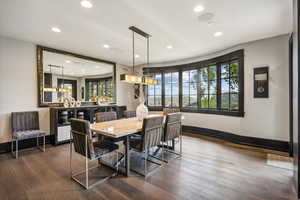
column 129, row 113
column 172, row 131
column 25, row 125
column 151, row 136
column 105, row 116
column 84, row 145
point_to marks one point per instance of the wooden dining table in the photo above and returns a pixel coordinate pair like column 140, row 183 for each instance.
column 121, row 129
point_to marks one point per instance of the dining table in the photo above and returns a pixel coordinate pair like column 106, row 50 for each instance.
column 121, row 129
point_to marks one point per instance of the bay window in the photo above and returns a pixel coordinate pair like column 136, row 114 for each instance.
column 212, row 86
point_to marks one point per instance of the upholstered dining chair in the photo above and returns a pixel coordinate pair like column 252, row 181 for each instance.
column 129, row 113
column 105, row 116
column 172, row 131
column 151, row 136
column 170, row 110
column 25, row 125
column 82, row 139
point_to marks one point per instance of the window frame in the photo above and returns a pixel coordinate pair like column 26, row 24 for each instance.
column 156, row 107
column 228, row 58
column 172, row 85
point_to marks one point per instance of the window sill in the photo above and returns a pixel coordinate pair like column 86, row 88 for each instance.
column 203, row 111
column 214, row 112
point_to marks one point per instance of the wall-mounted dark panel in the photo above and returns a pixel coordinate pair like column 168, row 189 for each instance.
column 261, row 82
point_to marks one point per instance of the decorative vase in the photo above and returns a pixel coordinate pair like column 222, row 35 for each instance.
column 141, row 110
column 78, row 103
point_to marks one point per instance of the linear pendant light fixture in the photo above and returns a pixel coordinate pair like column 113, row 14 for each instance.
column 135, row 78
column 57, row 89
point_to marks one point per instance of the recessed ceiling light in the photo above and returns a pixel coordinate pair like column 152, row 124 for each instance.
column 218, row 34
column 198, row 8
column 55, row 29
column 106, row 46
column 169, row 47
column 68, row 61
column 137, row 55
column 86, row 4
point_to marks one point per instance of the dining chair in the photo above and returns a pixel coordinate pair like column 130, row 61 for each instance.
column 172, row 131
column 25, row 125
column 105, row 116
column 129, row 113
column 151, row 136
column 170, row 110
column 82, row 139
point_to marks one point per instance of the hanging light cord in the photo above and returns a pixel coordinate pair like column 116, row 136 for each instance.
column 147, row 51
column 133, row 56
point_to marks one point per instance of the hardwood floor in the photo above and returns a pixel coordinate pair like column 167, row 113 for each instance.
column 207, row 170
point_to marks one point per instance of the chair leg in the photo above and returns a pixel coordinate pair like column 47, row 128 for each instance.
column 86, row 173
column 15, row 154
column 38, row 143
column 86, row 165
column 117, row 162
column 12, row 148
column 162, row 152
column 71, row 173
column 146, row 153
column 17, row 149
column 180, row 138
column 44, row 147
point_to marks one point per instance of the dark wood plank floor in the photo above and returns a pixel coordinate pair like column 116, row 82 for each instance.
column 207, row 170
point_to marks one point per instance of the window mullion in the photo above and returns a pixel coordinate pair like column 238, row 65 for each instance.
column 229, row 82
column 189, row 88
column 162, row 89
column 171, row 91
column 218, row 92
column 180, row 84
column 208, row 87
column 198, row 90
column 154, row 99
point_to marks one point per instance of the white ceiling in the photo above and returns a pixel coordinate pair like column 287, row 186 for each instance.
column 168, row 21
column 73, row 66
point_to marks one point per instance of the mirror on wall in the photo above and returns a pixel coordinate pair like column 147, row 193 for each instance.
column 62, row 75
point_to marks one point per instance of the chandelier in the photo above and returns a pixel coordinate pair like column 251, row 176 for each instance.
column 135, row 78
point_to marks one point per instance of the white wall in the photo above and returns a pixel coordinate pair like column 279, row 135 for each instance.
column 264, row 118
column 18, row 84
column 125, row 91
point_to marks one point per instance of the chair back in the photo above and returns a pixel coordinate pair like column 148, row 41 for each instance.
column 105, row 116
column 172, row 126
column 152, row 132
column 170, row 110
column 24, row 121
column 129, row 113
column 82, row 137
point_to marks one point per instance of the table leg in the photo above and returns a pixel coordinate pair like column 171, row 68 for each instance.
column 173, row 144
column 127, row 156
